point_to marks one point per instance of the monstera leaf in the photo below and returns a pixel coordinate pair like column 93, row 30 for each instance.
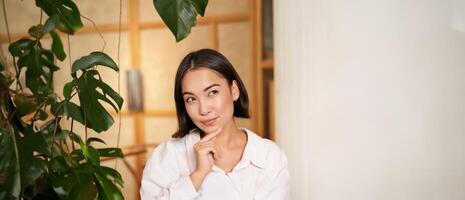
column 68, row 17
column 33, row 58
column 180, row 15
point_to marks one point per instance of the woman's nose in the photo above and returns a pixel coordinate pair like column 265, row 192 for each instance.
column 204, row 108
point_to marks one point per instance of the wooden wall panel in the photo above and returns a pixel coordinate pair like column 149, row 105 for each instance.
column 93, row 9
column 160, row 58
column 234, row 42
column 19, row 22
column 158, row 129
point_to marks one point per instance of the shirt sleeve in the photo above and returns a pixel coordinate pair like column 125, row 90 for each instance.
column 162, row 179
column 278, row 186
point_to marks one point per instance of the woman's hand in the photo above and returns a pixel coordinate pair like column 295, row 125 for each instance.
column 205, row 152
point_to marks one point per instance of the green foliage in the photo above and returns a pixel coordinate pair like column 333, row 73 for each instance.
column 36, row 161
column 180, row 15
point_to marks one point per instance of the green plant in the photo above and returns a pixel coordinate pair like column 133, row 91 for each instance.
column 38, row 157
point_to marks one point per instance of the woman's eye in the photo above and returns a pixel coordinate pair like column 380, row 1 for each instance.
column 213, row 92
column 190, row 99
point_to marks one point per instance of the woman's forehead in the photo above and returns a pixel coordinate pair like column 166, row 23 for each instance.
column 197, row 79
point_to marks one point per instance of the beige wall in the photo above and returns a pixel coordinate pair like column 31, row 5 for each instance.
column 370, row 98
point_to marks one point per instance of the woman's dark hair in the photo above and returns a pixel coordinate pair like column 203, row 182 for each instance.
column 210, row 59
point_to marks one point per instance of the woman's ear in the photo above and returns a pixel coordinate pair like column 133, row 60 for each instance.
column 235, row 90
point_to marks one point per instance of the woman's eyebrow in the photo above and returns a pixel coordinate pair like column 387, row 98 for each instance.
column 207, row 88
column 212, row 85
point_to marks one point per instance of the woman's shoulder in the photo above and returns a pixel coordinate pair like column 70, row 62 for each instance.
column 267, row 150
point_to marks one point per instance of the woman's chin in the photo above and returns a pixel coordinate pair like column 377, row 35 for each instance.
column 209, row 129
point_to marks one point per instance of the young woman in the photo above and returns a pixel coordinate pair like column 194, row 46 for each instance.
column 209, row 157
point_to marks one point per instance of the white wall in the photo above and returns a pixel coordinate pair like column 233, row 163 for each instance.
column 370, row 98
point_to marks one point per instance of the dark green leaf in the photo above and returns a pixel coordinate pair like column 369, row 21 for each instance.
column 69, row 109
column 94, row 139
column 10, row 181
column 63, row 184
column 180, row 15
column 92, row 155
column 67, row 89
column 94, row 58
column 40, row 115
column 19, row 47
column 112, row 174
column 84, row 189
column 89, row 98
column 69, row 18
column 57, row 46
column 58, row 165
column 200, row 6
column 25, row 105
column 33, row 142
column 111, row 152
column 50, row 23
column 107, row 188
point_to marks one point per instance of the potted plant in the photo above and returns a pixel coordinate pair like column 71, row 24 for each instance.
column 39, row 159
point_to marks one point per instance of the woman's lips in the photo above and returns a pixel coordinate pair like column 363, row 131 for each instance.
column 209, row 122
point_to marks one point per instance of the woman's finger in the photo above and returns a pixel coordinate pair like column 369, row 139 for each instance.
column 211, row 135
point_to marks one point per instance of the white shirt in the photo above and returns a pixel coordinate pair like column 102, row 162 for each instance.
column 262, row 172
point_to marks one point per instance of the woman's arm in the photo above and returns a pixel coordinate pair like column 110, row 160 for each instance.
column 162, row 178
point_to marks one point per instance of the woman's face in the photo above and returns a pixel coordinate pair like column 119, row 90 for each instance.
column 208, row 99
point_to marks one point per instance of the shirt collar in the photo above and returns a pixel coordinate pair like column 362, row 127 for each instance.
column 254, row 151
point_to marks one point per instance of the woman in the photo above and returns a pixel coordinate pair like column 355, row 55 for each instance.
column 209, row 157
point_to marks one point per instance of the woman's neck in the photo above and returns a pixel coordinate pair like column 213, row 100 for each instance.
column 230, row 137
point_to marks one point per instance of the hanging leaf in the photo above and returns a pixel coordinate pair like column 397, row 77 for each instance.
column 112, row 174
column 67, row 89
column 40, row 115
column 91, row 60
column 84, row 188
column 20, row 47
column 63, row 184
column 68, row 16
column 89, row 98
column 50, row 24
column 57, row 46
column 94, row 139
column 24, row 105
column 110, row 152
column 10, row 181
column 107, row 189
column 180, row 15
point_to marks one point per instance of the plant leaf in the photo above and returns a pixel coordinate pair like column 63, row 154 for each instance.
column 19, row 47
column 57, row 46
column 10, row 183
column 89, row 98
column 94, row 139
column 24, row 105
column 50, row 24
column 94, row 58
column 67, row 89
column 107, row 188
column 199, row 6
column 68, row 16
column 180, row 15
column 112, row 174
column 84, row 189
column 110, row 152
